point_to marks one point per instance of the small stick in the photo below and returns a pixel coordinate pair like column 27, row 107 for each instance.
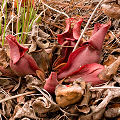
column 105, row 102
column 105, row 87
column 111, row 95
column 37, row 17
column 86, row 25
column 16, row 96
column 55, row 9
column 10, row 22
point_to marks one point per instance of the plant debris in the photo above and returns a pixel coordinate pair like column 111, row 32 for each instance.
column 45, row 74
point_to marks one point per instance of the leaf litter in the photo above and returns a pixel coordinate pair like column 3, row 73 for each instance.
column 90, row 87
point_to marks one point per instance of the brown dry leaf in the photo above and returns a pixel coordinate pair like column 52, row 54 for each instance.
column 41, row 75
column 110, row 71
column 42, row 105
column 111, row 9
column 42, row 59
column 4, row 81
column 69, row 94
column 72, row 109
column 110, row 95
column 55, row 52
column 38, row 36
column 42, row 42
column 33, row 81
column 17, row 107
column 93, row 116
column 113, row 111
column 83, row 106
column 4, row 64
column 17, row 85
column 33, row 46
column 98, row 115
column 25, row 111
column 42, row 34
column 7, row 108
column 36, row 31
column 4, row 59
column 110, row 60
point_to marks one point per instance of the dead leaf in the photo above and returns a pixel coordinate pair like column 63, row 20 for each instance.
column 41, row 75
column 93, row 116
column 37, row 37
column 55, row 52
column 4, row 81
column 33, row 46
column 42, row 105
column 83, row 107
column 112, row 111
column 110, row 71
column 42, row 59
column 72, row 109
column 69, row 94
column 25, row 111
column 7, row 108
column 17, row 85
column 110, row 60
column 111, row 9
column 4, row 64
column 4, row 59
column 42, row 43
column 33, row 81
column 16, row 109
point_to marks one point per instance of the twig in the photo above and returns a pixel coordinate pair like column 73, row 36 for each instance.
column 28, row 33
column 86, row 25
column 10, row 22
column 115, row 37
column 16, row 96
column 55, row 9
column 104, row 103
column 106, row 87
column 111, row 95
column 37, row 17
column 4, row 92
